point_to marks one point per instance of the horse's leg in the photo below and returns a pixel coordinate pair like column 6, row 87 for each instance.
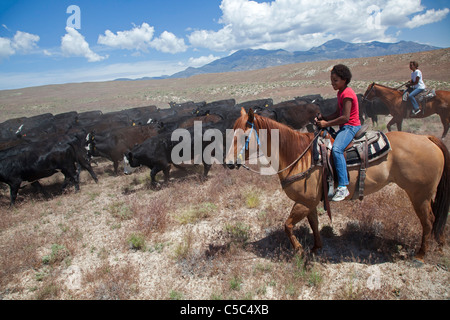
column 445, row 122
column 390, row 123
column 298, row 213
column 399, row 124
column 426, row 217
column 313, row 220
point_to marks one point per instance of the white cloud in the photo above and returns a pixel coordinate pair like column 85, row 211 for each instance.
column 138, row 38
column 6, row 49
column 428, row 17
column 14, row 80
column 74, row 44
column 201, row 61
column 141, row 38
column 169, row 43
column 302, row 24
column 22, row 42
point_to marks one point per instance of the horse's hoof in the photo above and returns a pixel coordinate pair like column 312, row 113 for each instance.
column 300, row 253
column 417, row 263
column 316, row 250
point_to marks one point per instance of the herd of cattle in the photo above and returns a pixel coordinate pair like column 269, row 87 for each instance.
column 33, row 148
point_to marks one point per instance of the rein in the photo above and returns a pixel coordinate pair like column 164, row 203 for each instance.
column 303, row 174
column 368, row 93
column 372, row 88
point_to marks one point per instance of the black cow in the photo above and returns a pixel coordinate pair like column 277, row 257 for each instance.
column 115, row 143
column 140, row 115
column 294, row 113
column 39, row 128
column 97, row 122
column 228, row 114
column 255, row 104
column 311, row 98
column 328, row 106
column 9, row 128
column 31, row 127
column 87, row 120
column 373, row 108
column 222, row 105
column 33, row 161
column 175, row 111
column 187, row 105
column 156, row 153
column 226, row 103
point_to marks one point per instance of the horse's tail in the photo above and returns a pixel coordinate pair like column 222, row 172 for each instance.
column 441, row 203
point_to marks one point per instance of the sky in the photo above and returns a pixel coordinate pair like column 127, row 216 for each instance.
column 57, row 41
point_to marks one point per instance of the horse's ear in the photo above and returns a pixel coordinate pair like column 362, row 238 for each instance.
column 251, row 115
column 243, row 113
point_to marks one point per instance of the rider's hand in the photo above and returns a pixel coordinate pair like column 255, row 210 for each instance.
column 321, row 123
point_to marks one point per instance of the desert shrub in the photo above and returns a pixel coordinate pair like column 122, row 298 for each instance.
column 183, row 248
column 235, row 283
column 109, row 282
column 238, row 232
column 59, row 253
column 252, row 200
column 175, row 295
column 121, row 210
column 151, row 216
column 136, row 241
column 195, row 213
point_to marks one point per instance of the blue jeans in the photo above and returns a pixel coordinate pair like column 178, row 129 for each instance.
column 343, row 138
column 414, row 93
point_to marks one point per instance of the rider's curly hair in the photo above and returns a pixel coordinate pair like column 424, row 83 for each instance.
column 342, row 72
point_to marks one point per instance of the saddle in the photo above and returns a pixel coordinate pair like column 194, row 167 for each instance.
column 426, row 95
column 422, row 98
column 366, row 147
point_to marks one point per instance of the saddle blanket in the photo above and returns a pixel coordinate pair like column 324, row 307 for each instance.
column 426, row 94
column 378, row 147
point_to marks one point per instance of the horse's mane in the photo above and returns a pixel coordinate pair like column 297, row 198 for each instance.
column 381, row 85
column 291, row 143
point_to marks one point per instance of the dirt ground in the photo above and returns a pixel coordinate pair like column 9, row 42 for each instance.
column 218, row 239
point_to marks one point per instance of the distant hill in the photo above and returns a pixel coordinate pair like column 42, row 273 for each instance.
column 249, row 59
column 280, row 83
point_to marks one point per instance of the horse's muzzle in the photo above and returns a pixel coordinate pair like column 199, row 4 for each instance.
column 232, row 165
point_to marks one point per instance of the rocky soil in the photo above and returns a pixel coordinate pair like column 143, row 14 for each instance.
column 222, row 238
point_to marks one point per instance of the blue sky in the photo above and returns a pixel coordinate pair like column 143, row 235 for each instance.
column 41, row 43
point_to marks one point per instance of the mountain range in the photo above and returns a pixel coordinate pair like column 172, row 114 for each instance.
column 252, row 59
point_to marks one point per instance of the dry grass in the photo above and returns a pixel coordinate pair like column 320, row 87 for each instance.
column 279, row 83
column 218, row 239
column 222, row 238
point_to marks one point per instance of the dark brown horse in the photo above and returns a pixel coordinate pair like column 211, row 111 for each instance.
column 418, row 164
column 393, row 99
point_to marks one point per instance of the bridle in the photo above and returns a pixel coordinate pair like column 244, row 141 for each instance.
column 372, row 87
column 247, row 141
column 245, row 148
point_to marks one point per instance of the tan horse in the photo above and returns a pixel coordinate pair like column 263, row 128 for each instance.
column 418, row 164
column 392, row 98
